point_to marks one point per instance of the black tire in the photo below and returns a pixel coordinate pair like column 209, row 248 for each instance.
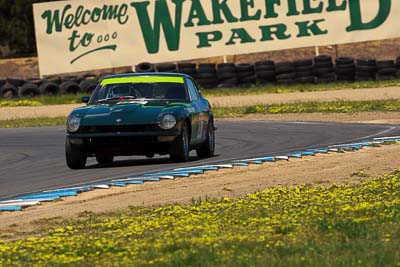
column 90, row 76
column 226, row 69
column 286, row 82
column 304, row 68
column 304, row 73
column 207, row 67
column 226, row 75
column 166, row 67
column 345, row 66
column 2, row 82
column 387, row 71
column 75, row 156
column 72, row 78
column 385, row 77
column 28, row 90
column 105, row 159
column 17, row 82
column 207, row 149
column 55, row 79
column 244, row 67
column 323, row 65
column 344, row 61
column 366, row 62
column 284, row 67
column 264, row 63
column 265, row 68
column 345, row 71
column 248, row 80
column 303, row 62
column 286, row 76
column 385, row 64
column 8, row 91
column 69, row 87
column 243, row 74
column 306, row 79
column 88, row 85
column 181, row 147
column 145, row 67
column 366, row 68
column 186, row 66
column 322, row 71
column 206, row 75
column 49, row 88
column 36, row 81
column 322, row 58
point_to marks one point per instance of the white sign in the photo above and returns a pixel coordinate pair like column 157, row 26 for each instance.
column 85, row 35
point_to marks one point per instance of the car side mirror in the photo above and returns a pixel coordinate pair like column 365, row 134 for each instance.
column 85, row 99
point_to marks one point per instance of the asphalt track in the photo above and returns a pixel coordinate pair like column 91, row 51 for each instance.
column 32, row 159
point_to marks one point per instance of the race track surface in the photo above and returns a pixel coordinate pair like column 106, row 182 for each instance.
column 32, row 159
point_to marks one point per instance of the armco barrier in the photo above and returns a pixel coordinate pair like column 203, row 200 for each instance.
column 18, row 204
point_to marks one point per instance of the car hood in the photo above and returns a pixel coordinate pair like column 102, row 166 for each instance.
column 130, row 112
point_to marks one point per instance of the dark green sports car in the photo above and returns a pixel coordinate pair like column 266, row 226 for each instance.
column 141, row 114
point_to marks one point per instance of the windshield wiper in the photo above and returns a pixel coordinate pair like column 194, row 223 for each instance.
column 116, row 98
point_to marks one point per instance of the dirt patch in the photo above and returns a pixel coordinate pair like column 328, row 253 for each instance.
column 9, row 113
column 317, row 96
column 322, row 169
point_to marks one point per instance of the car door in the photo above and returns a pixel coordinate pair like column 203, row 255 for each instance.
column 201, row 112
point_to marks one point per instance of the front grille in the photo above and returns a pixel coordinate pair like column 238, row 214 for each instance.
column 119, row 128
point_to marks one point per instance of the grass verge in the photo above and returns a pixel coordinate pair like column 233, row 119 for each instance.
column 33, row 122
column 253, row 90
column 340, row 225
column 311, row 107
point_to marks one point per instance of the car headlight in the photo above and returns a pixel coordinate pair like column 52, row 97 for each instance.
column 167, row 122
column 73, row 124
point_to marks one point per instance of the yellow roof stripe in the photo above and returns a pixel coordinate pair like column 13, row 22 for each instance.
column 143, row 79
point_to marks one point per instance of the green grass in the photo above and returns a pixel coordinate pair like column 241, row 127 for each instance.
column 36, row 122
column 42, row 101
column 310, row 107
column 253, row 90
column 339, row 225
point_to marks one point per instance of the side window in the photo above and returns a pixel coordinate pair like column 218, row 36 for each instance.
column 194, row 94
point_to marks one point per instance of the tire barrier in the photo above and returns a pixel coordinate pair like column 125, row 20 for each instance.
column 265, row 72
column 33, row 199
column 320, row 69
column 365, row 69
column 207, row 75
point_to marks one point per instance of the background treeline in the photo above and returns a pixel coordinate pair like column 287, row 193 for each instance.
column 17, row 26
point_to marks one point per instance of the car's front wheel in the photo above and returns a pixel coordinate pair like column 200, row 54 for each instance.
column 180, row 149
column 75, row 155
column 105, row 159
column 208, row 147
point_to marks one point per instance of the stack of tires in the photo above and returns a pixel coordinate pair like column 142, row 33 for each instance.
column 304, row 71
column 166, row 67
column 207, row 75
column 88, row 83
column 265, row 72
column 227, row 77
column 188, row 68
column 386, row 70
column 246, row 74
column 365, row 69
column 11, row 87
column 145, row 67
column 323, row 69
column 345, row 69
column 285, row 73
column 70, row 84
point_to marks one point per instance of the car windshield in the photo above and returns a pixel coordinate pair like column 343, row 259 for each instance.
column 140, row 91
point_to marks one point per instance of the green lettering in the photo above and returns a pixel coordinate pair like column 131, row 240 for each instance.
column 54, row 21
column 222, row 7
column 308, row 9
column 244, row 6
column 162, row 18
column 240, row 34
column 279, row 30
column 356, row 17
column 197, row 12
column 205, row 38
column 270, row 6
column 333, row 6
column 307, row 29
column 292, row 8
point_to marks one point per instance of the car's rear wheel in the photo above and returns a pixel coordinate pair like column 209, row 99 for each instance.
column 75, row 155
column 208, row 147
column 180, row 149
column 104, row 159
